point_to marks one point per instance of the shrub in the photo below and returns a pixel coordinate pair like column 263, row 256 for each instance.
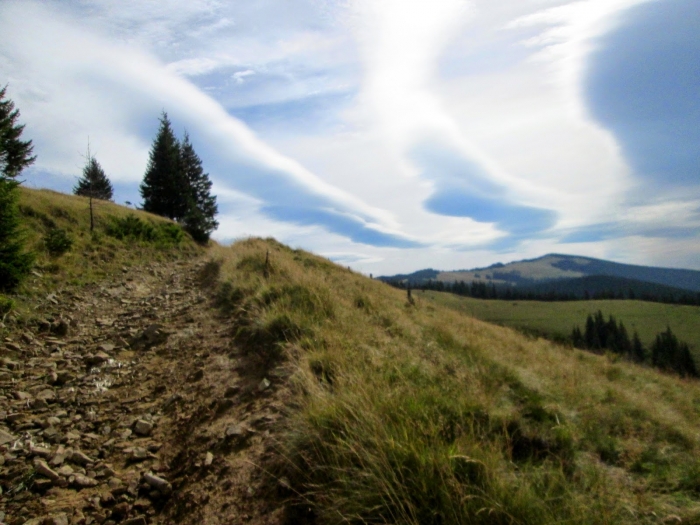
column 135, row 229
column 6, row 305
column 57, row 242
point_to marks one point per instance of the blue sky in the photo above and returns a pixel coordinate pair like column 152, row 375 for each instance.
column 388, row 135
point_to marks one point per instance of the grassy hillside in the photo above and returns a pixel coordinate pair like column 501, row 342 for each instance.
column 558, row 318
column 122, row 237
column 417, row 413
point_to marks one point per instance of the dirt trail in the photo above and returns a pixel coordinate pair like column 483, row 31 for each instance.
column 127, row 402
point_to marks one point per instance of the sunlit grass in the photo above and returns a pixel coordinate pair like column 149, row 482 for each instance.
column 421, row 414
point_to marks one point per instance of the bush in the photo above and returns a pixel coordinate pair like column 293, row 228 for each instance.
column 57, row 242
column 133, row 228
column 6, row 305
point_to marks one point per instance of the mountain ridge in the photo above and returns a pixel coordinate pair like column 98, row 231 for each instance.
column 553, row 267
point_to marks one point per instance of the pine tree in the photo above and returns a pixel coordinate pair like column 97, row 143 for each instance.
column 201, row 209
column 15, row 262
column 94, row 183
column 638, row 353
column 164, row 188
column 15, row 154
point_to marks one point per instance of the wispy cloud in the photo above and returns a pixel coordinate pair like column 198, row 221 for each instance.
column 391, row 133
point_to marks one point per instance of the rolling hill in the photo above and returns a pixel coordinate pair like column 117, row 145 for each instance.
column 555, row 268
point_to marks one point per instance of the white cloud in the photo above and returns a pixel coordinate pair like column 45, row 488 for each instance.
column 499, row 83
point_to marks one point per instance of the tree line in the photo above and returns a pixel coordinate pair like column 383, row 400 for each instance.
column 174, row 186
column 484, row 290
column 667, row 353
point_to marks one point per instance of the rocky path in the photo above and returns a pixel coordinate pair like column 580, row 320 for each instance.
column 127, row 403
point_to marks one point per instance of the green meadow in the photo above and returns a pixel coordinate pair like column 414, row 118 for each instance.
column 557, row 319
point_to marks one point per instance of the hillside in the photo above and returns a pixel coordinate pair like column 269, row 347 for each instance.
column 554, row 267
column 256, row 383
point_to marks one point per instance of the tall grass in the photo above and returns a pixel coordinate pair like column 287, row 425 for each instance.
column 414, row 413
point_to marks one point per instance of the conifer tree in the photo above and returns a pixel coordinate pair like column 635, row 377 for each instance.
column 164, row 188
column 94, row 183
column 15, row 154
column 638, row 353
column 199, row 219
column 15, row 262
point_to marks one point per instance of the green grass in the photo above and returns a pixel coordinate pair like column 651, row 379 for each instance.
column 419, row 414
column 57, row 229
column 557, row 319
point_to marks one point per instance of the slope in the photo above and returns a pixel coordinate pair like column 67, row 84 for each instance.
column 411, row 413
column 282, row 388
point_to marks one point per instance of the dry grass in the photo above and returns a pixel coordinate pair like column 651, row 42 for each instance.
column 420, row 414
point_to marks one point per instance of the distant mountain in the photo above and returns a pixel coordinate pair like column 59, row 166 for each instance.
column 555, row 267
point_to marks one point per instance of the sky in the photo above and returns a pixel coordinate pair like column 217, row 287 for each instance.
column 386, row 135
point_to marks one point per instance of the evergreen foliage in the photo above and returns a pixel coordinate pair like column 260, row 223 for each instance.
column 15, row 154
column 175, row 185
column 163, row 184
column 15, row 262
column 94, row 183
column 199, row 220
column 670, row 354
column 667, row 353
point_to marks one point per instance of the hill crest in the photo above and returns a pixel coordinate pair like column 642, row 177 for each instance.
column 553, row 267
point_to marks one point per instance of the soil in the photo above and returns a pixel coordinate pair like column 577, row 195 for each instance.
column 128, row 402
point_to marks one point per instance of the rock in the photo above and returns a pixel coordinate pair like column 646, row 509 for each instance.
column 115, row 483
column 264, row 384
column 158, row 483
column 59, row 457
column 138, row 520
column 121, row 511
column 66, row 471
column 42, row 485
column 13, row 346
column 6, row 437
column 151, row 336
column 139, row 454
column 236, row 431
column 96, row 359
column 143, row 428
column 51, row 434
column 82, row 481
column 80, row 458
column 43, row 469
column 42, row 452
column 208, row 459
column 107, row 499
column 57, row 519
column 47, row 395
column 106, row 347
